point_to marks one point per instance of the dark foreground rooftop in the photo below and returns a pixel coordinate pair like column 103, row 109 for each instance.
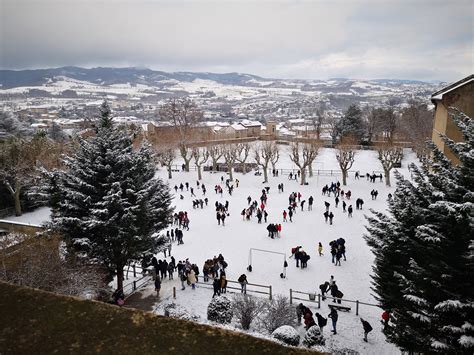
column 39, row 322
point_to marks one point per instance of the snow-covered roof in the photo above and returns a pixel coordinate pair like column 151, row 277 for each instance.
column 296, row 120
column 438, row 95
column 249, row 123
column 237, row 127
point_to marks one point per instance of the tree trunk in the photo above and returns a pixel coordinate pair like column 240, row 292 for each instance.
column 199, row 172
column 310, row 169
column 229, row 170
column 120, row 277
column 303, row 176
column 214, row 164
column 344, row 177
column 387, row 177
column 16, row 197
column 170, row 176
column 265, row 173
column 186, row 165
column 244, row 168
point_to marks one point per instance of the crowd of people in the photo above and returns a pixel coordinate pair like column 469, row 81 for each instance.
column 214, row 269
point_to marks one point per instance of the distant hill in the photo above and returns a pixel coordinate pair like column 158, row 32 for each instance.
column 109, row 76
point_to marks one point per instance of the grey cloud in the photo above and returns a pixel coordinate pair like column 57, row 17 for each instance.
column 304, row 39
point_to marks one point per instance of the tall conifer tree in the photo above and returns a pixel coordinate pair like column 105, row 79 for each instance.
column 112, row 207
column 424, row 249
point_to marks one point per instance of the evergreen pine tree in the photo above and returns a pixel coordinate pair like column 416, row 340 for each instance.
column 112, row 207
column 105, row 112
column 424, row 253
column 351, row 124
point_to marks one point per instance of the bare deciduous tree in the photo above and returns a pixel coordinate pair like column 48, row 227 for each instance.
column 246, row 309
column 184, row 114
column 345, row 157
column 416, row 124
column 19, row 160
column 215, row 152
column 243, row 150
column 263, row 155
column 389, row 156
column 303, row 155
column 278, row 312
column 187, row 154
column 230, row 156
column 372, row 120
column 37, row 263
column 275, row 156
column 166, row 156
column 318, row 120
column 333, row 127
column 200, row 156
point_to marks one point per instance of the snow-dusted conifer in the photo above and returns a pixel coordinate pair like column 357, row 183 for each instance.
column 424, row 265
column 220, row 310
column 313, row 337
column 112, row 207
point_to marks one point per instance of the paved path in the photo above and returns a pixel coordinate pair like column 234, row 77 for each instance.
column 146, row 299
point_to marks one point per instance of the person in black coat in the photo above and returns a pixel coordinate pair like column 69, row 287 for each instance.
column 216, row 284
column 321, row 321
column 367, row 328
column 324, row 289
column 334, row 316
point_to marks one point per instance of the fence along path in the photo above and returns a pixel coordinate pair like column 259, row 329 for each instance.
column 316, row 298
column 250, row 287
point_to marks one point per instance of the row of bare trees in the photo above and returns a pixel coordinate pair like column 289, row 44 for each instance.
column 412, row 123
column 267, row 154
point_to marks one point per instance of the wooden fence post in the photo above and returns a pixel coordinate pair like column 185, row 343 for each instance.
column 291, row 296
column 319, row 300
column 134, row 285
column 357, row 307
column 174, row 292
column 134, row 271
column 270, row 288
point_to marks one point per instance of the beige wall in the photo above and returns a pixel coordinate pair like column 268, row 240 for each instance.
column 461, row 98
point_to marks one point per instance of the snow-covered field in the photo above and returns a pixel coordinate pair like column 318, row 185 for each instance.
column 206, row 238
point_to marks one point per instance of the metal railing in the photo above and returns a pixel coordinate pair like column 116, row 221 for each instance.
column 317, row 299
column 132, row 287
column 250, row 287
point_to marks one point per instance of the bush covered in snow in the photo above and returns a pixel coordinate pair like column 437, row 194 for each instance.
column 278, row 312
column 313, row 337
column 220, row 310
column 174, row 310
column 287, row 334
column 246, row 309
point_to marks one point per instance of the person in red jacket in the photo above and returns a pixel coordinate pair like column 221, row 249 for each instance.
column 385, row 319
column 279, row 229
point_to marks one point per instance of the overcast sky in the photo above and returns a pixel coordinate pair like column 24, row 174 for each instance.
column 404, row 39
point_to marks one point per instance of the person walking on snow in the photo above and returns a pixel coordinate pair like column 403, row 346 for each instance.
column 192, row 278
column 243, row 283
column 331, row 216
column 367, row 328
column 334, row 316
column 157, row 285
column 321, row 321
column 320, row 249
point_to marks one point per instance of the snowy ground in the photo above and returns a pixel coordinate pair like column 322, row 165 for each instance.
column 206, row 239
